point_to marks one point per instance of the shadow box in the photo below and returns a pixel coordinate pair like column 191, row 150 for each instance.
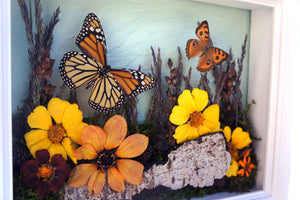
column 264, row 64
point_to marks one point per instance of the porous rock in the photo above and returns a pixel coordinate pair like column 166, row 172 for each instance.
column 197, row 163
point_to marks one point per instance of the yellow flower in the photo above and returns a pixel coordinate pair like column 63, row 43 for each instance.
column 57, row 137
column 239, row 139
column 108, row 152
column 234, row 166
column 192, row 120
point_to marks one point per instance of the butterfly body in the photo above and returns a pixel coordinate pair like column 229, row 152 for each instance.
column 208, row 56
column 109, row 85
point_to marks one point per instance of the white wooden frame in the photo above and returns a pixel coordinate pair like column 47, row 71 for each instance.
column 267, row 78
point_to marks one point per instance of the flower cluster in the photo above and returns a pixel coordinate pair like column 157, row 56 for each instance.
column 103, row 152
column 238, row 141
column 194, row 118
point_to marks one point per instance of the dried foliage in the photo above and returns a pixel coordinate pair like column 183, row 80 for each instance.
column 40, row 62
column 227, row 91
column 157, row 103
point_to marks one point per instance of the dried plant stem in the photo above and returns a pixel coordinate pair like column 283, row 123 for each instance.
column 221, row 76
column 38, row 42
column 157, row 101
column 179, row 72
column 187, row 80
column 28, row 25
column 48, row 36
column 204, row 83
column 39, row 27
column 237, row 94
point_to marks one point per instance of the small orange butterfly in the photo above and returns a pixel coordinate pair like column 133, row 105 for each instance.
column 208, row 56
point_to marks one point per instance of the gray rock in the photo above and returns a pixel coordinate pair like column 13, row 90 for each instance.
column 196, row 163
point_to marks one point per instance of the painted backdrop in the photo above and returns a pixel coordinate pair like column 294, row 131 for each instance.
column 131, row 27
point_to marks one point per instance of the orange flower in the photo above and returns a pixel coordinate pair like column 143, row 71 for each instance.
column 107, row 152
column 247, row 167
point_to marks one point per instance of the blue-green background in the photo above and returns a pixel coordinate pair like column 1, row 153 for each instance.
column 130, row 27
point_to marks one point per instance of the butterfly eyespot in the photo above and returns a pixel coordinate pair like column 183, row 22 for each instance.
column 201, row 33
column 217, row 57
column 208, row 62
column 194, row 43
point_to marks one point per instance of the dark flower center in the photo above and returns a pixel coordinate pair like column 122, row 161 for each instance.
column 56, row 133
column 106, row 159
column 196, row 119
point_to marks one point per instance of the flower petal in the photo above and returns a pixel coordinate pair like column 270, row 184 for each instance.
column 240, row 138
column 69, row 148
column 187, row 101
column 232, row 171
column 42, row 156
column 57, row 183
column 211, row 116
column 35, row 136
column 99, row 184
column 30, row 181
column 183, row 132
column 39, row 118
column 57, row 149
column 71, row 121
column 58, row 161
column 115, row 179
column 96, row 183
column 74, row 132
column 43, row 188
column 62, row 172
column 91, row 181
column 30, row 167
column 193, row 133
column 133, row 146
column 179, row 115
column 131, row 170
column 82, row 174
column 201, row 98
column 93, row 135
column 86, row 152
column 227, row 133
column 44, row 144
column 116, row 130
column 56, row 108
column 203, row 130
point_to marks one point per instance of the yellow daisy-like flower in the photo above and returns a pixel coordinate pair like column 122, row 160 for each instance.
column 58, row 137
column 192, row 121
column 239, row 139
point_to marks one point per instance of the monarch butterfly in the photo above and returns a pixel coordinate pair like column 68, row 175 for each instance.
column 90, row 67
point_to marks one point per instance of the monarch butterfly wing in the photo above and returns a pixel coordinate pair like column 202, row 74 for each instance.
column 77, row 69
column 91, row 39
column 132, row 82
column 106, row 94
